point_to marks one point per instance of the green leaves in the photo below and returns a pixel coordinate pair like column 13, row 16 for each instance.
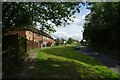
column 102, row 24
column 25, row 13
column 70, row 40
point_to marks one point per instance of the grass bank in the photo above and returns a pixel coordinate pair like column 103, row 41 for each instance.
column 65, row 62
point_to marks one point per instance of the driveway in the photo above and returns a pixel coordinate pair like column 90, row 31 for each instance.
column 113, row 64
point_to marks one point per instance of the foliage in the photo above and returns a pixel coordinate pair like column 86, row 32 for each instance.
column 81, row 42
column 22, row 45
column 64, row 62
column 70, row 40
column 102, row 27
column 28, row 14
column 63, row 41
column 57, row 41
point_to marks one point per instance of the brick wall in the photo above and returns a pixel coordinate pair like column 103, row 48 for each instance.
column 40, row 38
column 49, row 41
column 34, row 40
column 29, row 35
column 19, row 32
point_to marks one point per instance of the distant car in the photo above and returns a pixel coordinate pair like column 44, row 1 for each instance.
column 77, row 47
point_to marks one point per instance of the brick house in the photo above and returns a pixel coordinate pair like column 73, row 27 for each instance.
column 48, row 40
column 35, row 39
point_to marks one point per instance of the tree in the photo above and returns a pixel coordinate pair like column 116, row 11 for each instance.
column 101, row 28
column 62, row 41
column 70, row 40
column 28, row 14
column 57, row 41
column 81, row 42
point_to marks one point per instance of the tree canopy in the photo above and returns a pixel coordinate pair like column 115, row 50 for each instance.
column 70, row 40
column 28, row 14
column 102, row 26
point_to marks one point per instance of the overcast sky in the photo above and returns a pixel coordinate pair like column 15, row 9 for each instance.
column 74, row 29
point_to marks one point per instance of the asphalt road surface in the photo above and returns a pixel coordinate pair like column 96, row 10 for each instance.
column 113, row 64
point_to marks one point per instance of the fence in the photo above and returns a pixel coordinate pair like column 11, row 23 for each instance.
column 13, row 50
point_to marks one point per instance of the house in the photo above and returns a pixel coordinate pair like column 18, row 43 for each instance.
column 48, row 40
column 34, row 37
column 17, row 42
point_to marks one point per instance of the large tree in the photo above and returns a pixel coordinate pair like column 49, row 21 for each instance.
column 102, row 27
column 47, row 14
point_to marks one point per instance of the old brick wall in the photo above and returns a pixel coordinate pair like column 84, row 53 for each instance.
column 14, row 32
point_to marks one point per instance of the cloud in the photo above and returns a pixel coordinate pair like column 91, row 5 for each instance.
column 60, row 35
column 74, row 29
column 76, row 36
column 64, row 35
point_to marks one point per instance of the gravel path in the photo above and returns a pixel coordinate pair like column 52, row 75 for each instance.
column 113, row 64
column 26, row 68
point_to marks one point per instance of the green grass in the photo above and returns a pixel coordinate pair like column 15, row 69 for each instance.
column 65, row 62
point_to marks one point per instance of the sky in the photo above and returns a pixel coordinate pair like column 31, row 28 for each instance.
column 74, row 29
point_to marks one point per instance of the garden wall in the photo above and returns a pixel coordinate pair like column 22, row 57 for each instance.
column 13, row 51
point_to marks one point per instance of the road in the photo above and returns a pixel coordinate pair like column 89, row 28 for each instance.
column 113, row 64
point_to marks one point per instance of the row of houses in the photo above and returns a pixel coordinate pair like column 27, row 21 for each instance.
column 17, row 42
column 35, row 38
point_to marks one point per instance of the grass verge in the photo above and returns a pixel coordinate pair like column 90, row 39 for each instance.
column 64, row 62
